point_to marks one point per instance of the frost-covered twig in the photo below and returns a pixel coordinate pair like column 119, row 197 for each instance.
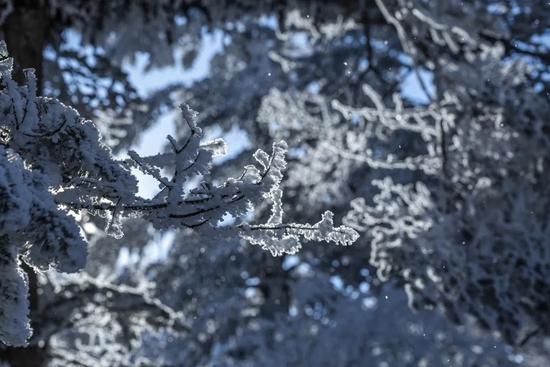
column 52, row 163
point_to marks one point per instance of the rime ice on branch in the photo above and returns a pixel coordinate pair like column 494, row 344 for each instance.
column 52, row 163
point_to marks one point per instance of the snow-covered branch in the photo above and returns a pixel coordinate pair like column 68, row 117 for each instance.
column 53, row 164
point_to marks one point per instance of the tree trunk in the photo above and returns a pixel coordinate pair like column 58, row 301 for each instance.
column 25, row 34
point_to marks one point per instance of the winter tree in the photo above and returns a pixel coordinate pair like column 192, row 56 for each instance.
column 421, row 125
